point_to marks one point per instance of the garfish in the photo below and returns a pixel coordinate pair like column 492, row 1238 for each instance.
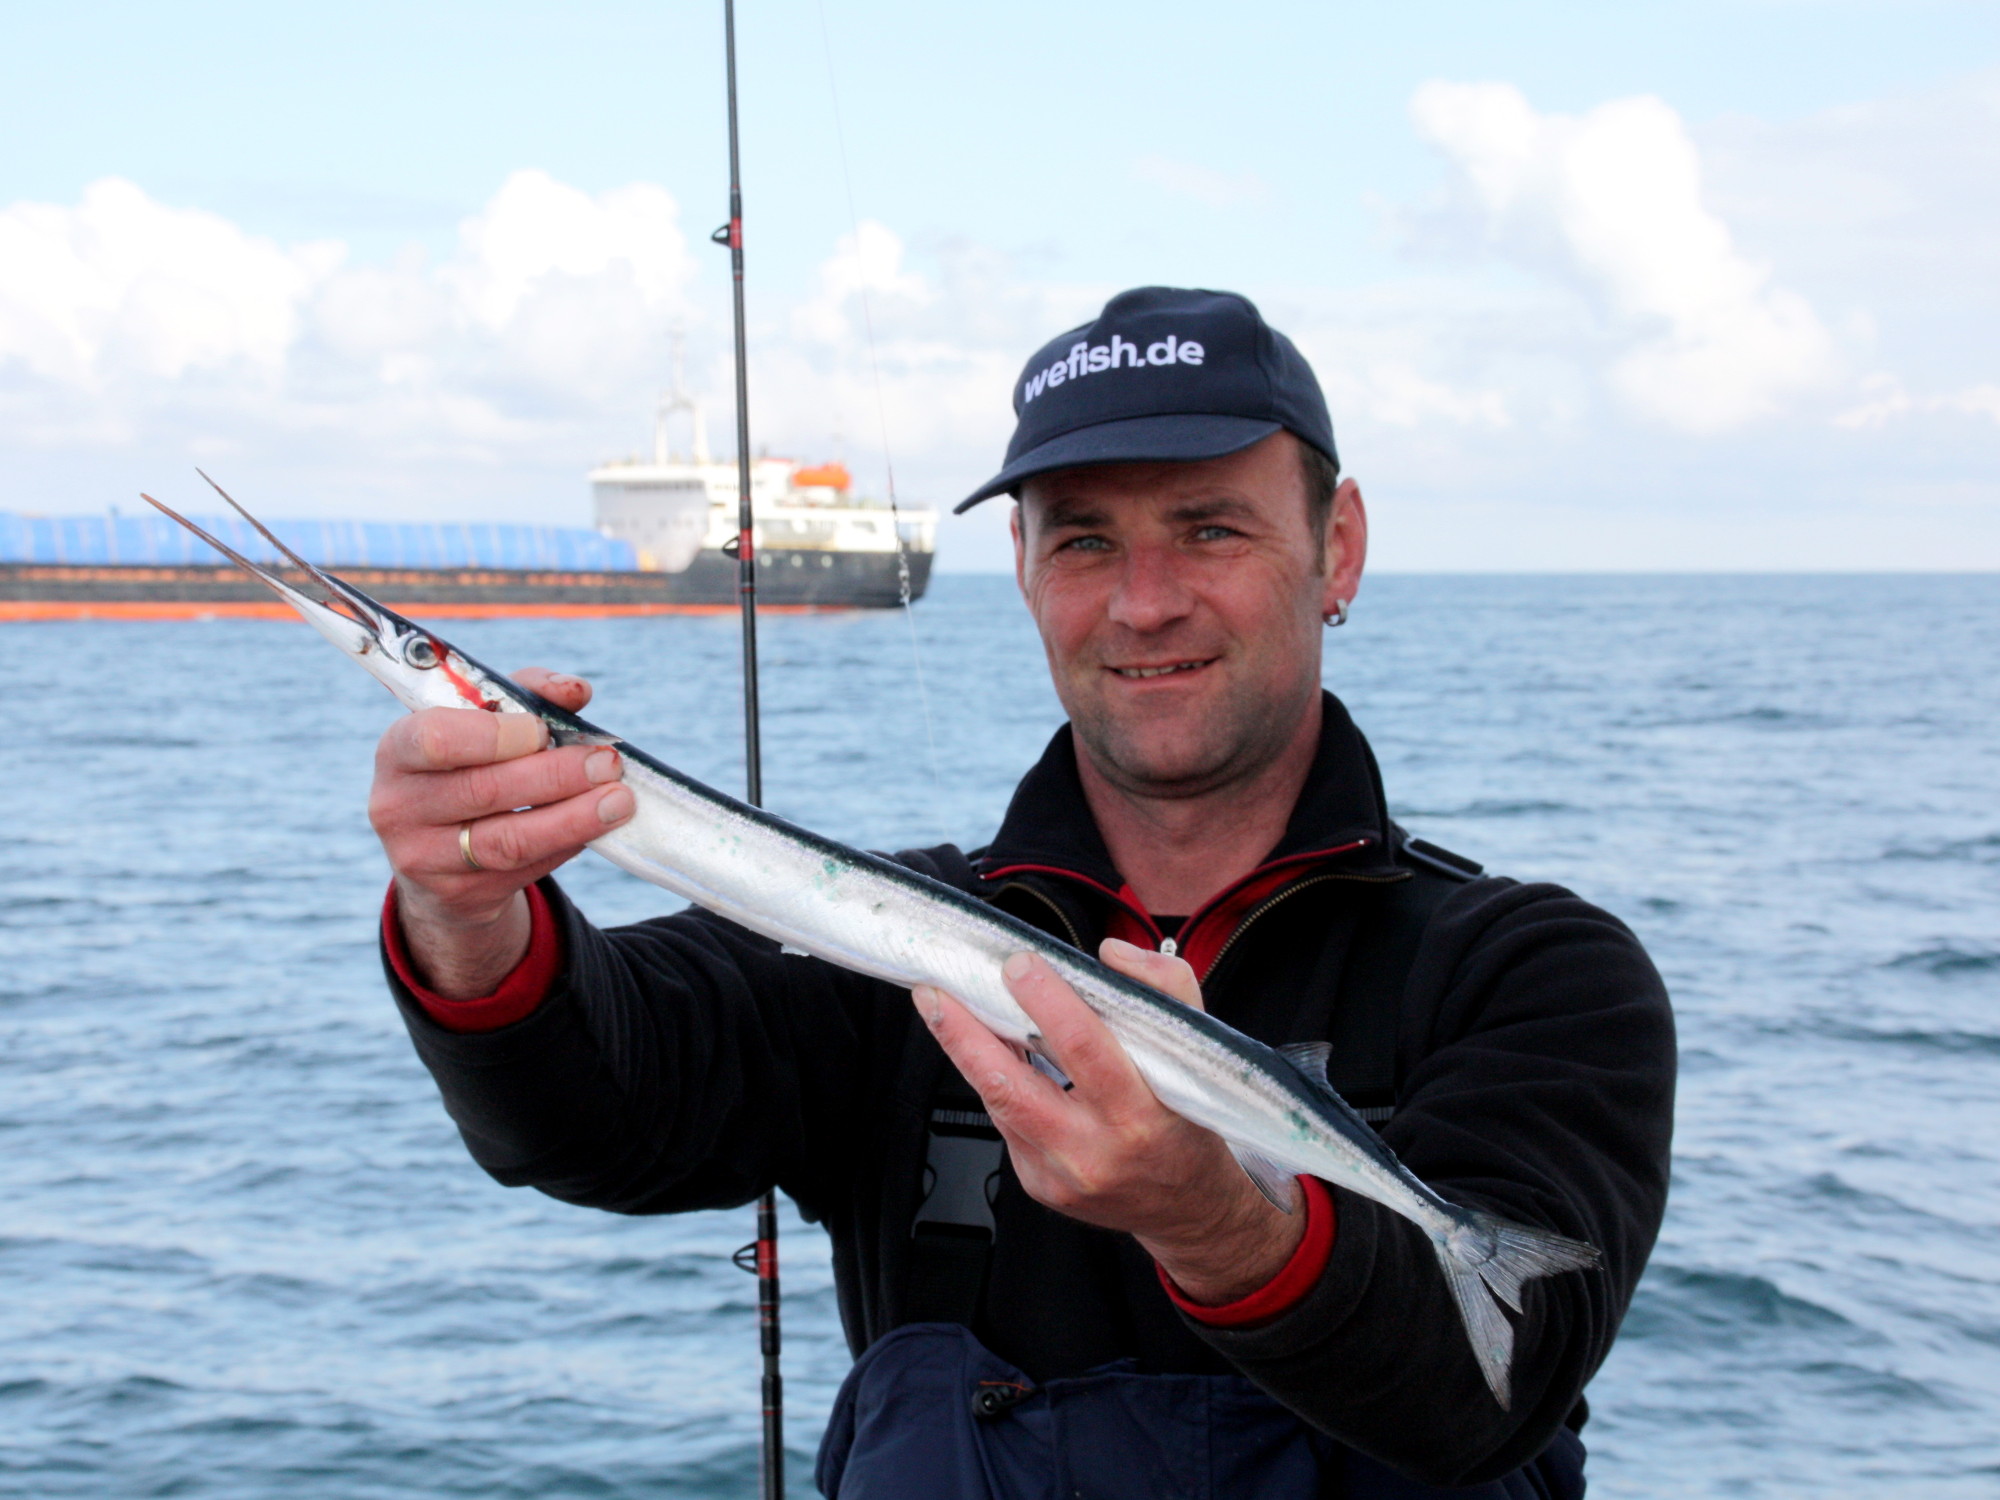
column 1273, row 1106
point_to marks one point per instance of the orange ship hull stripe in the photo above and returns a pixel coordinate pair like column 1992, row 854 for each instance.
column 133, row 609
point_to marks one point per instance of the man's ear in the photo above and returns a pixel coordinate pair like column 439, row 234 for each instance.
column 1015, row 529
column 1346, row 546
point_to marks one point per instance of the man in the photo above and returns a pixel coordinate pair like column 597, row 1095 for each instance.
column 1110, row 1307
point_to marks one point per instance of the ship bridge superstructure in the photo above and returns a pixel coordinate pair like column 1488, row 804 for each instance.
column 676, row 506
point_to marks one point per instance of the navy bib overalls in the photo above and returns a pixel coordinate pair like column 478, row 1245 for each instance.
column 928, row 1413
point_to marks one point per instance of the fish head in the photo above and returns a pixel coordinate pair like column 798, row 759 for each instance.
column 421, row 668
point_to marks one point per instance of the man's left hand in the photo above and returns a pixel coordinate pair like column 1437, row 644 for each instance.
column 1106, row 1151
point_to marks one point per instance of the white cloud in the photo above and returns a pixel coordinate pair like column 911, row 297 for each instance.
column 926, row 371
column 1904, row 189
column 1397, row 395
column 122, row 285
column 865, row 264
column 552, row 292
column 122, row 317
column 486, row 380
column 1612, row 200
column 536, row 229
column 1886, row 401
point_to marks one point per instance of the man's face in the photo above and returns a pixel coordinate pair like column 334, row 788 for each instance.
column 1181, row 606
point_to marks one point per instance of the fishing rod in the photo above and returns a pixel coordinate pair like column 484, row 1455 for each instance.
column 761, row 1256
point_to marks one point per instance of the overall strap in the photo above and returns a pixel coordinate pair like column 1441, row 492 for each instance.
column 951, row 1233
column 951, row 1237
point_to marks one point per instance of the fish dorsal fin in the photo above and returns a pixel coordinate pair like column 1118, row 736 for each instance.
column 1279, row 1184
column 1310, row 1059
column 563, row 736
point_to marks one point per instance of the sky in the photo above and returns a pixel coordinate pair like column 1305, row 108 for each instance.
column 1689, row 286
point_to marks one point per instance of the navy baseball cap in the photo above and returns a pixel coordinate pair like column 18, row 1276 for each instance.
column 1164, row 374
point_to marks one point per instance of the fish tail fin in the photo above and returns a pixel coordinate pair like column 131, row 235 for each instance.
column 1486, row 1256
column 1491, row 1334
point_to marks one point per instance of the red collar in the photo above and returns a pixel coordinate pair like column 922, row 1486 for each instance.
column 1207, row 931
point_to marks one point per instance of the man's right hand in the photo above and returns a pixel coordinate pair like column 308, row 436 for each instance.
column 529, row 809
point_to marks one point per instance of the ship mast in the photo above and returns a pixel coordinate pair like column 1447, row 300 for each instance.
column 678, row 399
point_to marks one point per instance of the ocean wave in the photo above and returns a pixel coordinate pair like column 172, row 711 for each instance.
column 1492, row 808
column 1942, row 1040
column 1983, row 850
column 1874, row 1389
column 1823, row 1188
column 35, row 910
column 144, row 742
column 273, row 1289
column 1764, row 716
column 239, row 1426
column 1706, row 1309
column 1948, row 959
column 147, row 1391
column 641, row 1268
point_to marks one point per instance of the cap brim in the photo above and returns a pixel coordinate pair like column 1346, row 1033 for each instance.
column 1173, row 438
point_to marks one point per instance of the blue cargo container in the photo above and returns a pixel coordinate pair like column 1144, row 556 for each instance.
column 140, row 540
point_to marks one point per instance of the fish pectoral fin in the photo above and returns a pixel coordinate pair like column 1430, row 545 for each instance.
column 1310, row 1059
column 1049, row 1070
column 1279, row 1184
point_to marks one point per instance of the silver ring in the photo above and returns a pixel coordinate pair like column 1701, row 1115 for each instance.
column 1337, row 617
column 465, row 848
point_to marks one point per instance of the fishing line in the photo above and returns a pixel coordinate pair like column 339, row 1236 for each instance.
column 882, row 423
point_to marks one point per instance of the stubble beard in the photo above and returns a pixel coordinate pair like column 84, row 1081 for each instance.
column 1195, row 753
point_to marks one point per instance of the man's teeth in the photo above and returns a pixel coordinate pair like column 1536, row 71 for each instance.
column 1179, row 666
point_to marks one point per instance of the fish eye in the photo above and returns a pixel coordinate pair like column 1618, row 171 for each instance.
column 420, row 652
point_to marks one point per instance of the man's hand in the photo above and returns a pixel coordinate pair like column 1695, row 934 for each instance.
column 528, row 808
column 1107, row 1151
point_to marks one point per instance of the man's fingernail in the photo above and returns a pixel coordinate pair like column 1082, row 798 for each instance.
column 1018, row 965
column 1120, row 947
column 615, row 805
column 600, row 766
column 928, row 1004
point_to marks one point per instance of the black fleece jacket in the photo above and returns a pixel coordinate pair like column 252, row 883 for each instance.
column 685, row 1063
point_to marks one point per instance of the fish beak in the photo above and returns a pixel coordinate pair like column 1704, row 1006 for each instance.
column 344, row 616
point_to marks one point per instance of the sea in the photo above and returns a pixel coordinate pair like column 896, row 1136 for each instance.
column 243, row 1253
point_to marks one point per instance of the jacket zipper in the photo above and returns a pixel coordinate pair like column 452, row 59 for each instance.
column 1197, row 917
column 1075, row 937
column 1290, row 890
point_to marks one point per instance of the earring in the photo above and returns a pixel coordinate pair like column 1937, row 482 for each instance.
column 1338, row 617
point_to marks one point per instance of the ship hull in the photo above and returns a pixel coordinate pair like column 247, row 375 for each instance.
column 787, row 579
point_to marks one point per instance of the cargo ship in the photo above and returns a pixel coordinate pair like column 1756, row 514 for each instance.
column 664, row 543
